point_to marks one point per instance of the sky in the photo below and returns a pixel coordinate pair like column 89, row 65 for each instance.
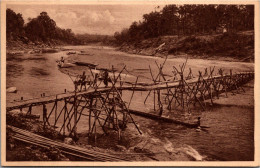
column 91, row 19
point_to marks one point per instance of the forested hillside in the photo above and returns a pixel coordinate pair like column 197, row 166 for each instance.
column 39, row 30
column 189, row 20
column 196, row 30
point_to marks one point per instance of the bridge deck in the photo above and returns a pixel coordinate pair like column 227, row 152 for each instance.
column 58, row 97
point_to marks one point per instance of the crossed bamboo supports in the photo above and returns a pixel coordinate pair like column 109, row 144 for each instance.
column 186, row 95
column 107, row 110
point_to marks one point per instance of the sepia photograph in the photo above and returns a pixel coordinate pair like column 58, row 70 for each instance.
column 139, row 83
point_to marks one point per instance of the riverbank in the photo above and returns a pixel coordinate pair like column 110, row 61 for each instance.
column 228, row 46
column 232, row 47
column 138, row 65
column 131, row 147
column 19, row 47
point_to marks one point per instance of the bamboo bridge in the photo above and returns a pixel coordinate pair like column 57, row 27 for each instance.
column 105, row 108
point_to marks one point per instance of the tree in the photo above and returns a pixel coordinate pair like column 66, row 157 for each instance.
column 170, row 20
column 41, row 28
column 44, row 28
column 48, row 24
column 189, row 20
column 14, row 24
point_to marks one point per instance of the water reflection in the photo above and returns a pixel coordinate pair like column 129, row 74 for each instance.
column 36, row 72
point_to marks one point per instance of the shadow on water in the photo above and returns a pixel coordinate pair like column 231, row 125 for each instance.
column 17, row 58
column 14, row 70
column 36, row 59
column 25, row 57
column 35, row 72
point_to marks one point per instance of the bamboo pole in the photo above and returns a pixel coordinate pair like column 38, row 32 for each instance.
column 113, row 85
column 64, row 147
column 44, row 116
column 75, row 113
column 90, row 111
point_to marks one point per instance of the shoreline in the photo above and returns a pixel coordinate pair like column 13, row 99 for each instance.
column 184, row 55
column 20, row 48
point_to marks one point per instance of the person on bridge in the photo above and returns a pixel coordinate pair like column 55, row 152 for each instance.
column 88, row 80
column 62, row 60
column 95, row 80
column 198, row 123
column 106, row 78
column 82, row 80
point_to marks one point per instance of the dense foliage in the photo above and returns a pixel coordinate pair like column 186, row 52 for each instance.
column 39, row 29
column 189, row 20
column 14, row 24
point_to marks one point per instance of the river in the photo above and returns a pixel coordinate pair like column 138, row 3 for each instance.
column 231, row 133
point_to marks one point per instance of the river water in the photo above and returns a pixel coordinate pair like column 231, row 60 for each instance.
column 231, row 133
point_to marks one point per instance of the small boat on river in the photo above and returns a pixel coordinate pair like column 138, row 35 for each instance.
column 65, row 65
column 86, row 64
column 71, row 52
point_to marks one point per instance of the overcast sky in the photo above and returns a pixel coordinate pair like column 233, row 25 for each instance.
column 92, row 19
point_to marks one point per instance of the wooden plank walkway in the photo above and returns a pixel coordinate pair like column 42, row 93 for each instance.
column 59, row 97
column 83, row 153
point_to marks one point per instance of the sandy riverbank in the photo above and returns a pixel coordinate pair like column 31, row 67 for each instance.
column 138, row 65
